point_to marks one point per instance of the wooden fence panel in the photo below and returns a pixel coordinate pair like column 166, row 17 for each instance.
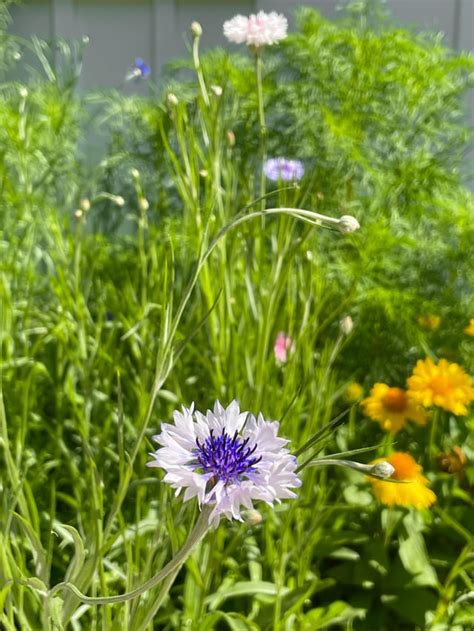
column 158, row 30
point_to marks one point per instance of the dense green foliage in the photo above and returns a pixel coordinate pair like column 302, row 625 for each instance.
column 111, row 317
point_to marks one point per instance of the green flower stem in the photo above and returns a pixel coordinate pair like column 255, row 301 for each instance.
column 261, row 121
column 372, row 470
column 200, row 76
column 433, row 431
column 166, row 357
column 199, row 531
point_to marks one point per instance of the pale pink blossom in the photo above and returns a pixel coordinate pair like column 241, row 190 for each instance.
column 283, row 346
column 256, row 30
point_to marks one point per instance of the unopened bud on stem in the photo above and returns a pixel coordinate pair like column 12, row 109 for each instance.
column 172, row 100
column 348, row 223
column 346, row 325
column 196, row 29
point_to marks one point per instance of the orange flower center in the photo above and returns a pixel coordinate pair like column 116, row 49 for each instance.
column 441, row 385
column 405, row 467
column 395, row 400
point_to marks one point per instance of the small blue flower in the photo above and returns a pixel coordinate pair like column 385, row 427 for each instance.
column 141, row 69
column 282, row 169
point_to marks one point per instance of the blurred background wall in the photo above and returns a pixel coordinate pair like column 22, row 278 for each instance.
column 158, row 30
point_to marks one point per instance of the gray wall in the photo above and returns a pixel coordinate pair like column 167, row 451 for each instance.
column 158, row 30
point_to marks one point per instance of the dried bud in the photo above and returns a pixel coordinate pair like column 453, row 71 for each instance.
column 452, row 461
column 346, row 325
column 143, row 204
column 217, row 90
column 85, row 204
column 196, row 29
column 172, row 99
column 348, row 224
column 230, row 136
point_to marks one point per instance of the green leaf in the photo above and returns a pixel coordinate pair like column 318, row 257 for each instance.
column 337, row 613
column 413, row 554
column 70, row 535
column 244, row 588
column 39, row 554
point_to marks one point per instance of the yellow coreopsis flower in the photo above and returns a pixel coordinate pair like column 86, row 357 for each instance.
column 430, row 322
column 413, row 492
column 353, row 392
column 469, row 330
column 444, row 384
column 392, row 408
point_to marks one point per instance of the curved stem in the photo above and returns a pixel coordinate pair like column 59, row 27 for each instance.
column 200, row 529
column 165, row 363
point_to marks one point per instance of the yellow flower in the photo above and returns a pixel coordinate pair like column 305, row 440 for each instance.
column 443, row 384
column 469, row 330
column 392, row 408
column 413, row 488
column 353, row 392
column 429, row 321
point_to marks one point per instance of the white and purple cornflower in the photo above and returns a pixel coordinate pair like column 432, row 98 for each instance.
column 256, row 30
column 226, row 459
column 282, row 169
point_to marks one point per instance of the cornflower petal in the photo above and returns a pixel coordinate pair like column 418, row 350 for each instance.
column 226, row 458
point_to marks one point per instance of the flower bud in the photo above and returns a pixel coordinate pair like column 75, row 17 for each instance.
column 143, row 204
column 346, row 325
column 348, row 224
column 118, row 199
column 196, row 29
column 85, row 39
column 78, row 214
column 382, row 470
column 85, row 204
column 23, row 92
column 230, row 136
column 217, row 90
column 16, row 56
column 135, row 173
column 172, row 99
column 252, row 517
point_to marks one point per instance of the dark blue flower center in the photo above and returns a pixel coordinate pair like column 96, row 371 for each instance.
column 226, row 458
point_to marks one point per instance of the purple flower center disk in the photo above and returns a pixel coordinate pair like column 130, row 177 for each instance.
column 225, row 457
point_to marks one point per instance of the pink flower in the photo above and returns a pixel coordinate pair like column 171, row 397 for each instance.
column 283, row 345
column 256, row 30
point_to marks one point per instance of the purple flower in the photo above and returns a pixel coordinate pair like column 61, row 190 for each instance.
column 226, row 458
column 140, row 68
column 282, row 169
